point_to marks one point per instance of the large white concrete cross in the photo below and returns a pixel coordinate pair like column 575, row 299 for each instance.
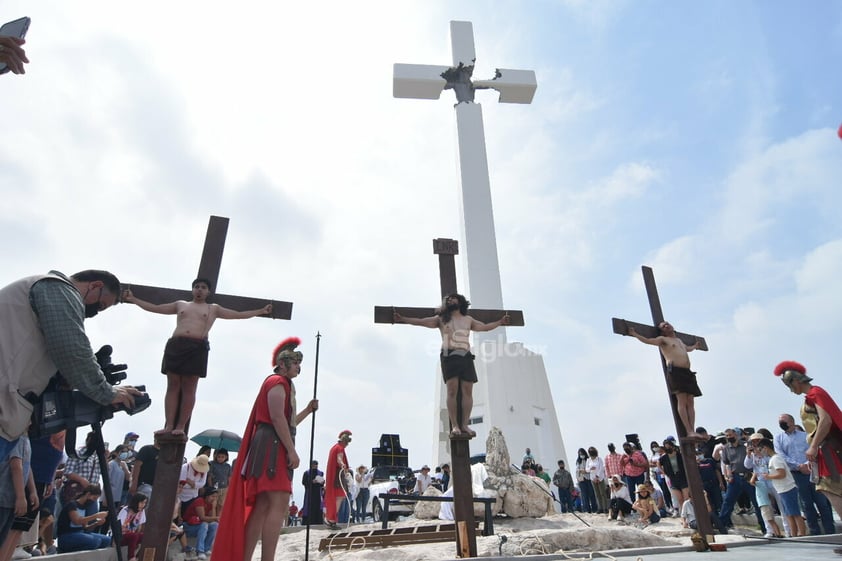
column 423, row 81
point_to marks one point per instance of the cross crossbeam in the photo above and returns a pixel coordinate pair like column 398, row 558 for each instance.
column 209, row 267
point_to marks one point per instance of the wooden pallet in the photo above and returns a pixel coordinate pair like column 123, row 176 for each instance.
column 391, row 536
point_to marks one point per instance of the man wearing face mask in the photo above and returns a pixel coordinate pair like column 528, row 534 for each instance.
column 42, row 331
column 737, row 477
column 792, row 446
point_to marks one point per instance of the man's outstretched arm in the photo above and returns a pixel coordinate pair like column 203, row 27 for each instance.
column 225, row 313
column 653, row 341
column 431, row 322
column 169, row 308
column 477, row 325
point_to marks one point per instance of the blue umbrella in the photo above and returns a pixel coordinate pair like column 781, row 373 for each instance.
column 218, row 438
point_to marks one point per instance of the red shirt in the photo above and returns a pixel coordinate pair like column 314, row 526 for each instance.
column 635, row 465
column 191, row 516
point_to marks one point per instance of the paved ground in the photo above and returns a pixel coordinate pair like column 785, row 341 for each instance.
column 790, row 549
column 818, row 549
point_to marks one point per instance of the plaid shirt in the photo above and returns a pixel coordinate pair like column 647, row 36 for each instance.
column 613, row 465
column 89, row 469
column 61, row 315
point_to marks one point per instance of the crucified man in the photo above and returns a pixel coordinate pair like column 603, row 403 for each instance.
column 681, row 380
column 457, row 361
column 186, row 353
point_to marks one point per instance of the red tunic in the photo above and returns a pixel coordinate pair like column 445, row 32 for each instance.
column 242, row 492
column 818, row 397
column 333, row 483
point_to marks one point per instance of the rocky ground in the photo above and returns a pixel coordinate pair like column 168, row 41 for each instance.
column 513, row 537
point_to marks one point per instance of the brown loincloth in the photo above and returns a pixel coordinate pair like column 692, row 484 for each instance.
column 458, row 366
column 186, row 357
column 683, row 380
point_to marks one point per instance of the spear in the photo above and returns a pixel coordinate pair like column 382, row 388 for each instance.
column 312, row 439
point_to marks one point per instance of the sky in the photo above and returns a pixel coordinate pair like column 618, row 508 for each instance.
column 698, row 139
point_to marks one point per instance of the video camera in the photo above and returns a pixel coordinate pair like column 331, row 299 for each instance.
column 61, row 407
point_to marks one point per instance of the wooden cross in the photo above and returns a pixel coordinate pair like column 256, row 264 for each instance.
column 446, row 249
column 209, row 269
column 688, row 447
column 460, row 456
column 160, row 509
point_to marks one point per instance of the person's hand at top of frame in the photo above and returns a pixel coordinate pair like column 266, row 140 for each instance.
column 506, row 319
column 13, row 54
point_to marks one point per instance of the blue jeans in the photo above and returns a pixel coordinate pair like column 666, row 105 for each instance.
column 732, row 493
column 589, row 503
column 632, row 481
column 809, row 497
column 204, row 534
column 343, row 513
column 6, row 447
column 82, row 541
column 566, row 499
column 362, row 501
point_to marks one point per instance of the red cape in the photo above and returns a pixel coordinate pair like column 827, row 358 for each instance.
column 230, row 536
column 818, row 396
column 331, row 477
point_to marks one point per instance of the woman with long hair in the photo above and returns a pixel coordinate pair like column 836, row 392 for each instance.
column 583, row 477
column 132, row 519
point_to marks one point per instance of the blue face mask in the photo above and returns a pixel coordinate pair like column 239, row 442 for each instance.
column 124, row 455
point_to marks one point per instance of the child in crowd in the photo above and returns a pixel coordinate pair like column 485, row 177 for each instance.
column 645, row 506
column 19, row 499
column 132, row 519
column 660, row 500
column 219, row 475
column 758, row 462
column 688, row 515
column 784, row 484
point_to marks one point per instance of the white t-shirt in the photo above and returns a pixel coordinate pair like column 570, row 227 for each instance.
column 688, row 512
column 777, row 462
column 422, row 482
column 197, row 480
column 136, row 521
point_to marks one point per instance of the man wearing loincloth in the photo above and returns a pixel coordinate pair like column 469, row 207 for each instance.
column 680, row 379
column 186, row 353
column 457, row 361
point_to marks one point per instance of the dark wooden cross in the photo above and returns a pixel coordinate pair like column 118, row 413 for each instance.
column 688, row 446
column 160, row 509
column 460, row 455
column 209, row 268
column 446, row 249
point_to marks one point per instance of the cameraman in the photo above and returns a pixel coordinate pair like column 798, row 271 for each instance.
column 41, row 332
